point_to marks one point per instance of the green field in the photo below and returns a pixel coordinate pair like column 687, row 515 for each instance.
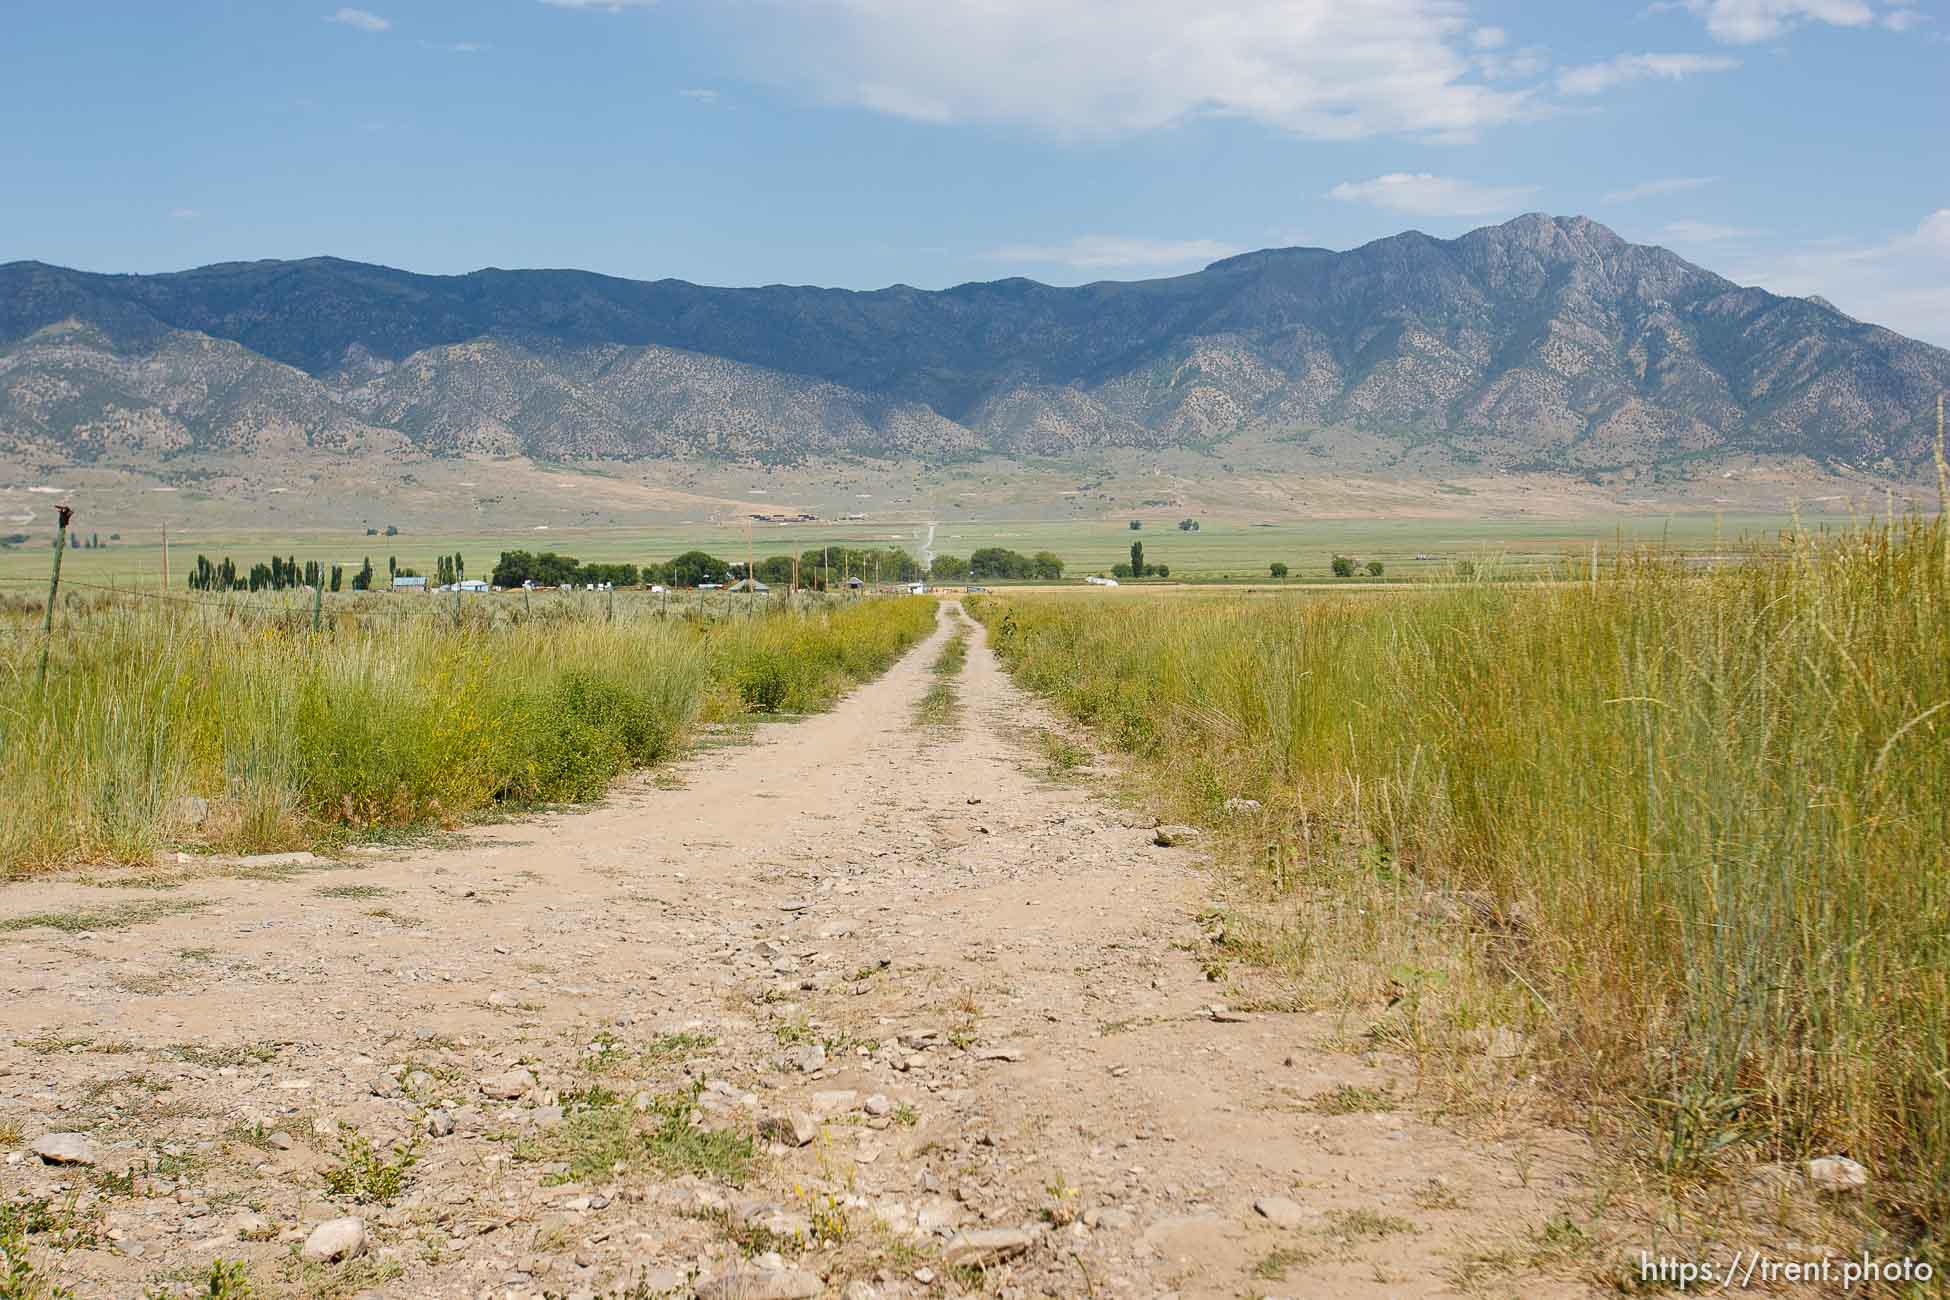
column 1219, row 549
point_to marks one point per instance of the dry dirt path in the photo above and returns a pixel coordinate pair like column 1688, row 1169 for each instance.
column 966, row 981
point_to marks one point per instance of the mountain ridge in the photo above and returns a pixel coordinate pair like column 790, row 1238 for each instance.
column 1541, row 343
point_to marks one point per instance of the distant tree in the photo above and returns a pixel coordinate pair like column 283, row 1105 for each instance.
column 392, row 566
column 1136, row 524
column 1188, row 525
column 1047, row 566
column 1279, row 568
column 362, row 580
column 1161, row 570
column 338, row 576
column 1343, row 566
column 115, row 537
column 391, row 531
column 1137, row 558
column 372, row 532
column 948, row 568
column 1374, row 568
column 1120, row 570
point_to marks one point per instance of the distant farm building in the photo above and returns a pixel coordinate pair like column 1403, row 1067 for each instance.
column 409, row 584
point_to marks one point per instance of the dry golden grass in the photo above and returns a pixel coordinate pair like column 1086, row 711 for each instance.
column 378, row 722
column 1681, row 834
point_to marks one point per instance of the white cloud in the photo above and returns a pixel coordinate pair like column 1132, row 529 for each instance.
column 1512, row 65
column 1664, row 185
column 1744, row 22
column 1489, row 38
column 702, row 94
column 608, row 6
column 1901, row 20
column 364, row 19
column 184, row 214
column 1423, row 195
column 1324, row 69
column 1902, row 282
column 1700, row 232
column 1596, row 78
column 465, row 47
column 1103, row 252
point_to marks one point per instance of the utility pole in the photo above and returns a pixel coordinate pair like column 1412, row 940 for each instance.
column 54, row 587
column 751, row 574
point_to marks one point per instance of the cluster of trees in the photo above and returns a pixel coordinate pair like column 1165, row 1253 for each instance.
column 1139, row 567
column 449, row 569
column 92, row 542
column 281, row 574
column 1344, row 566
column 998, row 562
column 817, row 569
column 1188, row 525
column 830, row 566
column 551, row 570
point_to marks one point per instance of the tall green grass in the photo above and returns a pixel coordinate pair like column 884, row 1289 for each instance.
column 376, row 722
column 1708, row 812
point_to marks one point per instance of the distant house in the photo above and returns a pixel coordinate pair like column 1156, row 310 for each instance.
column 1101, row 582
column 748, row 584
column 471, row 584
column 917, row 588
column 409, row 584
column 855, row 584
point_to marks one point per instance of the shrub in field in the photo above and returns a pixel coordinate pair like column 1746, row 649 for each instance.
column 1343, row 566
column 1704, row 810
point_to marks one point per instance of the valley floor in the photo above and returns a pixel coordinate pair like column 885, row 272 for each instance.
column 965, row 980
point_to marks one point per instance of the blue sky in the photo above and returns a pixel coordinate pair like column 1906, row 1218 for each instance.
column 1798, row 144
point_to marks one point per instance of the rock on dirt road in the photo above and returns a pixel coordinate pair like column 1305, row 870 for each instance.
column 856, row 1007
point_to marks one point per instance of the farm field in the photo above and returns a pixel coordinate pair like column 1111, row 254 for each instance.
column 1220, row 549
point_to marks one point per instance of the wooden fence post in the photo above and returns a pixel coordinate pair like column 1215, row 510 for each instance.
column 53, row 588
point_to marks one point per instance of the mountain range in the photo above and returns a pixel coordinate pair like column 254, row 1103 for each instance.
column 1545, row 343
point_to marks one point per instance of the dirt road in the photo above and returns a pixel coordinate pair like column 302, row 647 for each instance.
column 947, row 992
